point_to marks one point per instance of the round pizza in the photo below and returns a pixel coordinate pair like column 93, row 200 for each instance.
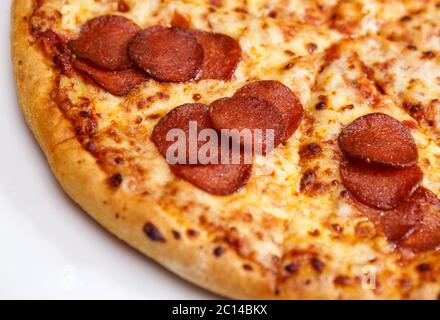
column 262, row 149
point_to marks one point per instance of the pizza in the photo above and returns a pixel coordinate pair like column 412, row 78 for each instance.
column 330, row 189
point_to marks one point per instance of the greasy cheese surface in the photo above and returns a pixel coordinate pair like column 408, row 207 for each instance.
column 323, row 50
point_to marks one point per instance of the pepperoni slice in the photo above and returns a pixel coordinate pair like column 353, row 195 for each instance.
column 282, row 97
column 423, row 207
column 379, row 186
column 118, row 83
column 167, row 54
column 415, row 224
column 217, row 179
column 222, row 55
column 249, row 114
column 180, row 118
column 104, row 41
column 379, row 138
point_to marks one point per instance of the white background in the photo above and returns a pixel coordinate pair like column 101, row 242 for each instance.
column 50, row 248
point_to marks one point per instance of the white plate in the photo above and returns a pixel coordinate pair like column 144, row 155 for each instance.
column 49, row 247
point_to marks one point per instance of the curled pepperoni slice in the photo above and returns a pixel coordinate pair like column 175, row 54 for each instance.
column 415, row 224
column 167, row 54
column 250, row 116
column 104, row 41
column 379, row 186
column 379, row 138
column 181, row 118
column 217, row 179
column 118, row 83
column 424, row 208
column 282, row 97
column 222, row 55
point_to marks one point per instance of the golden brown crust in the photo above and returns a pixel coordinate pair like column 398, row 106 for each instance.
column 122, row 214
column 196, row 259
column 35, row 78
column 125, row 216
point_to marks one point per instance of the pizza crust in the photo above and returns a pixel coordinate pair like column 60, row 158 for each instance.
column 125, row 214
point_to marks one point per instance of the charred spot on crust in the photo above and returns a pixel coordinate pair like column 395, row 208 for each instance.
column 84, row 114
column 219, row 251
column 428, row 55
column 342, row 281
column 247, row 267
column 153, row 232
column 424, row 268
column 291, row 267
column 176, row 235
column 317, row 264
column 232, row 238
column 115, row 180
column 192, row 233
column 310, row 150
column 321, row 105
